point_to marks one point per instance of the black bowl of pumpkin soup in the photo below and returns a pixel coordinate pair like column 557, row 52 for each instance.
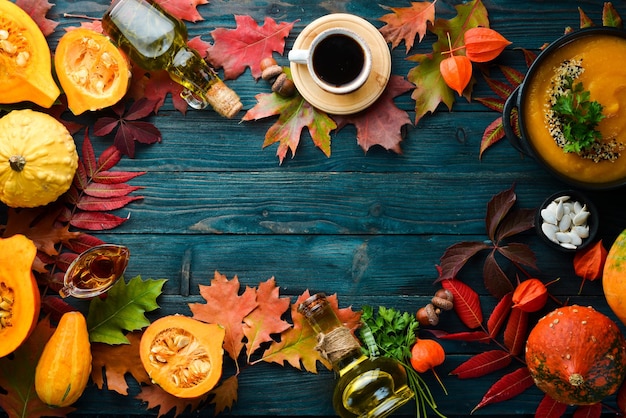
column 571, row 109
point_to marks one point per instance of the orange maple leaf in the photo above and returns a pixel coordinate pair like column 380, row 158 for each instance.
column 157, row 397
column 405, row 23
column 116, row 361
column 265, row 320
column 224, row 306
column 297, row 345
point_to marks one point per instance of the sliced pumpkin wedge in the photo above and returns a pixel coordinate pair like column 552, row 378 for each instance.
column 93, row 73
column 25, row 62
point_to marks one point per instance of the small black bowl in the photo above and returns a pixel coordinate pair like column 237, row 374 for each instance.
column 592, row 220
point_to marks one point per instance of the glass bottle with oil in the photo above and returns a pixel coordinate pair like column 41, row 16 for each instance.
column 366, row 387
column 156, row 40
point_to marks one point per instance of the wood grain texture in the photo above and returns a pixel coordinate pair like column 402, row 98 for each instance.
column 369, row 227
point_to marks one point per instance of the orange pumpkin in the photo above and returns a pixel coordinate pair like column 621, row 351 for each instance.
column 25, row 63
column 19, row 295
column 92, row 71
column 183, row 355
column 576, row 355
column 614, row 277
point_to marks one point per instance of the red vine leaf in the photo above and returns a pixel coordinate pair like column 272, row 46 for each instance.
column 519, row 253
column 455, row 257
column 515, row 222
column 495, row 279
column 130, row 128
column 515, row 331
column 549, row 408
column 498, row 317
column 497, row 208
column 405, row 23
column 466, row 302
column 245, row 46
column 507, row 387
column 482, row 364
column 382, row 123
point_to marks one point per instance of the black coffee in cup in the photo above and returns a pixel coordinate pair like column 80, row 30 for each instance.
column 338, row 59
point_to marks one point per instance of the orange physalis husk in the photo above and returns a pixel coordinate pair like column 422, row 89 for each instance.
column 456, row 71
column 589, row 262
column 426, row 354
column 484, row 44
column 530, row 295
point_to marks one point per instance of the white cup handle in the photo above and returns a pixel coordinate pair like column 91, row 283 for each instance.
column 299, row 56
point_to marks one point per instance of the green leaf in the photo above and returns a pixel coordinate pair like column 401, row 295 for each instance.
column 122, row 310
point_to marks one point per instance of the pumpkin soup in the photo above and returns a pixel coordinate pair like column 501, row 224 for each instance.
column 597, row 63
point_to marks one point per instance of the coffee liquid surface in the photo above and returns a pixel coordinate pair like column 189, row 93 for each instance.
column 338, row 60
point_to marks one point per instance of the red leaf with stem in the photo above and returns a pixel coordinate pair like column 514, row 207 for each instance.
column 589, row 262
column 549, row 408
column 476, row 336
column 499, row 314
column 466, row 302
column 515, row 222
column 515, row 331
column 482, row 364
column 507, row 387
column 493, row 133
column 519, row 253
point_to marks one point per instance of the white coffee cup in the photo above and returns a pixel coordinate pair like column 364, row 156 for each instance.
column 338, row 60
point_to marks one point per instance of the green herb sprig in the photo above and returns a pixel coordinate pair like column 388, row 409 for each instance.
column 394, row 333
column 579, row 117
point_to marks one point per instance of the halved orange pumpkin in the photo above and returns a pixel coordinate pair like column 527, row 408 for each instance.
column 19, row 296
column 183, row 355
column 92, row 71
column 25, row 63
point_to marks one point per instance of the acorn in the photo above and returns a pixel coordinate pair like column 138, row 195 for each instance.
column 275, row 75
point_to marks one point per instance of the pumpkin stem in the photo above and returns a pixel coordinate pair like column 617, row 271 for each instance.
column 576, row 379
column 17, row 162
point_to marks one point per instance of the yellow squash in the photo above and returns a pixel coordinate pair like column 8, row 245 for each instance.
column 38, row 158
column 65, row 365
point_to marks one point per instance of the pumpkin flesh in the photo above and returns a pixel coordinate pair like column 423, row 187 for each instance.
column 182, row 355
column 38, row 158
column 92, row 71
column 614, row 277
column 25, row 62
column 576, row 355
column 19, row 296
column 64, row 367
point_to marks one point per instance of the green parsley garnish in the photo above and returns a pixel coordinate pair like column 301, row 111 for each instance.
column 579, row 117
column 391, row 333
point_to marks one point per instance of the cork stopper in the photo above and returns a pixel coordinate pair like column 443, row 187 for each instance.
column 223, row 100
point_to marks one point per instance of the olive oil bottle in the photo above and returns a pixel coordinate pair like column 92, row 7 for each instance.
column 366, row 387
column 156, row 40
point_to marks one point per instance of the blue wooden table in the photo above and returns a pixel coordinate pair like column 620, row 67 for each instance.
column 370, row 227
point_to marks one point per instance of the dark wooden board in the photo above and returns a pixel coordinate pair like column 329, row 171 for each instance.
column 370, row 227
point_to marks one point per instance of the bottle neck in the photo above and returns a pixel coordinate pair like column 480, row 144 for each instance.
column 335, row 341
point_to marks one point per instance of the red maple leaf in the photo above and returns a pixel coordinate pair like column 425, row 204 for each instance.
column 130, row 127
column 37, row 9
column 183, row 9
column 236, row 49
column 381, row 123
